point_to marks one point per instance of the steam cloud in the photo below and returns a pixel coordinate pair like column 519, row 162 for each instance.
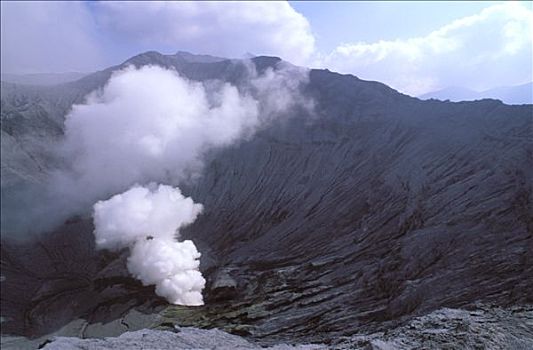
column 148, row 126
column 147, row 219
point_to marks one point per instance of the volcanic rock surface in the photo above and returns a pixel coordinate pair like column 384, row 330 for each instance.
column 484, row 328
column 353, row 218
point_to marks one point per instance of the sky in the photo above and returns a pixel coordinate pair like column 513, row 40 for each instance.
column 415, row 47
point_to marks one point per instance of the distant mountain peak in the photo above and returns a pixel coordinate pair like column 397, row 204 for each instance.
column 518, row 94
column 199, row 58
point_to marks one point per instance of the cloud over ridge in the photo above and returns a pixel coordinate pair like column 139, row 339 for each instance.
column 470, row 51
column 490, row 49
column 228, row 29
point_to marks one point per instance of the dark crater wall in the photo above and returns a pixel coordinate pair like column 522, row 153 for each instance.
column 373, row 209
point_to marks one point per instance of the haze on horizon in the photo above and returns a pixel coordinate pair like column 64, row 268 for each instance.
column 415, row 47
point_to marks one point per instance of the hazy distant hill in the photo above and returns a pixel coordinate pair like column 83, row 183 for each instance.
column 513, row 95
column 42, row 78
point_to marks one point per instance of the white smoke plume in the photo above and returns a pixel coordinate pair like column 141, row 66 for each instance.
column 157, row 211
column 150, row 125
column 279, row 90
column 147, row 220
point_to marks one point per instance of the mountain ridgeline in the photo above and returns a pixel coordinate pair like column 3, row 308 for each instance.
column 371, row 209
column 519, row 94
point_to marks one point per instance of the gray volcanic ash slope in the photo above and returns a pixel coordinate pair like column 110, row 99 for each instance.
column 375, row 208
column 492, row 328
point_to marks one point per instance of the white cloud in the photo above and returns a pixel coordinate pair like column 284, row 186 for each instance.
column 47, row 36
column 491, row 48
column 76, row 36
column 478, row 52
column 229, row 29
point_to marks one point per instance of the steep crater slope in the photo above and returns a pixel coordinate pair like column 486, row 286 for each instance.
column 382, row 208
column 373, row 209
